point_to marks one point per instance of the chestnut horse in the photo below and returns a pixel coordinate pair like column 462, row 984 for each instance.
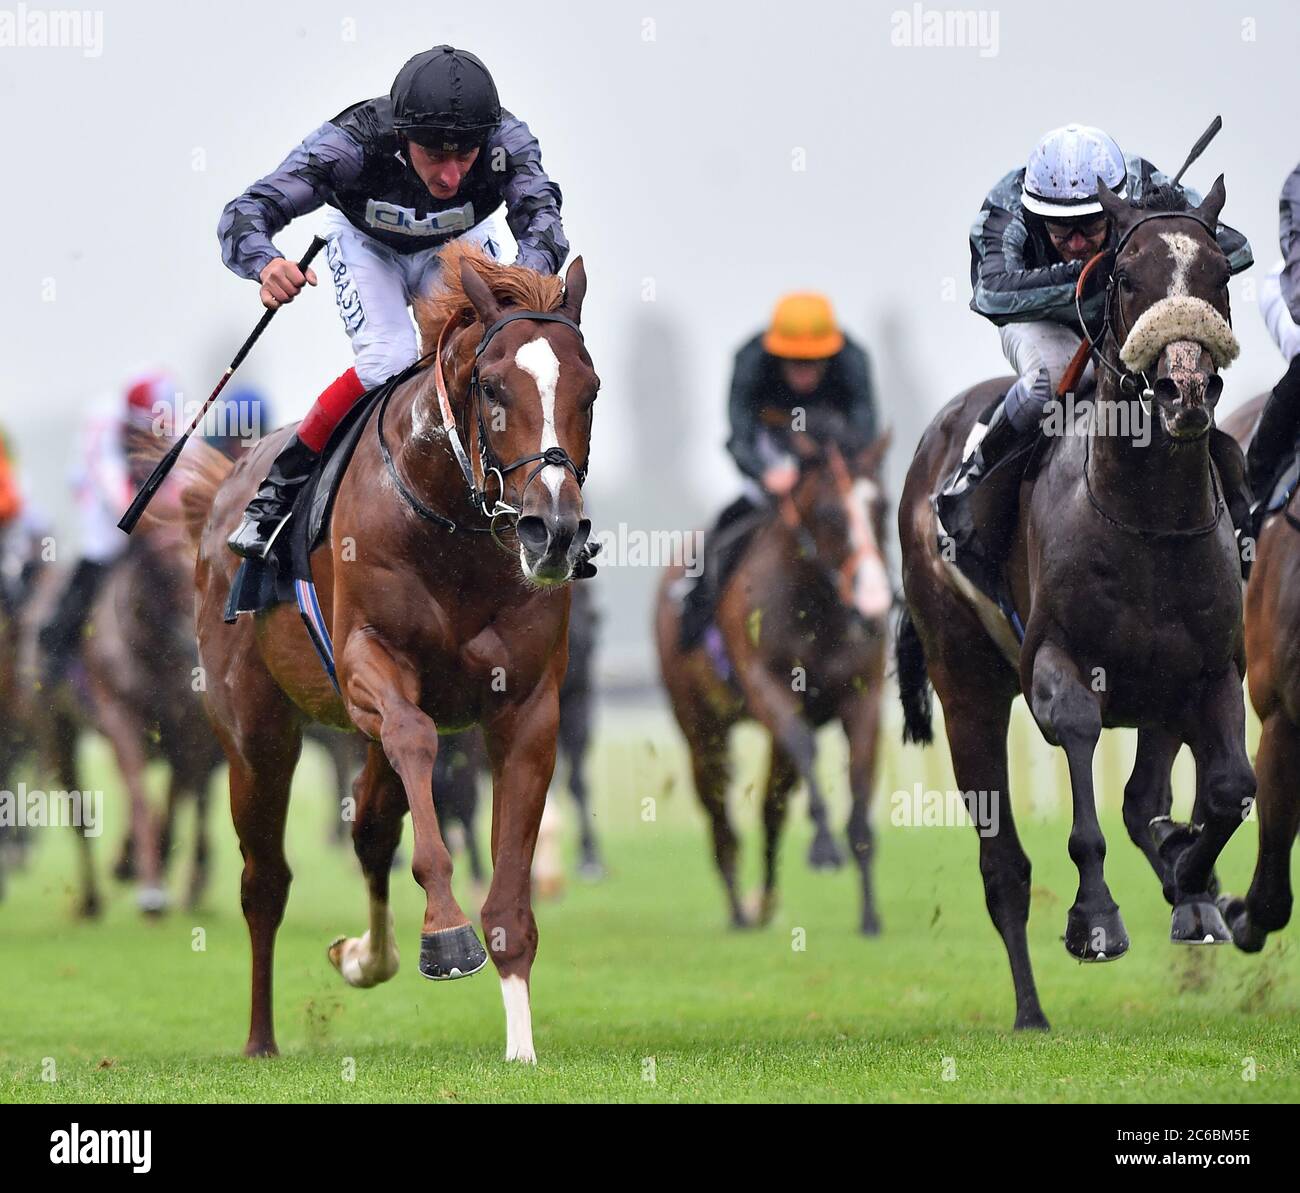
column 803, row 623
column 444, row 612
column 1273, row 677
column 1125, row 575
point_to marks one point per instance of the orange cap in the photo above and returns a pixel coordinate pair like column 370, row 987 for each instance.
column 803, row 328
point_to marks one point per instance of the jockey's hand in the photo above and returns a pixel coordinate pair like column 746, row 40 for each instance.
column 281, row 281
column 780, row 479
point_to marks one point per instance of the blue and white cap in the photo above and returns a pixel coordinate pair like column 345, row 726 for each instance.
column 1061, row 177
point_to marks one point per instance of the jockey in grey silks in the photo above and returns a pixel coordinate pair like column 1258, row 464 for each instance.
column 1279, row 422
column 1036, row 230
column 405, row 174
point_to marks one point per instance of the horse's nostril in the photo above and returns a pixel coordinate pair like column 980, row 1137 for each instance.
column 1166, row 389
column 533, row 534
column 583, row 534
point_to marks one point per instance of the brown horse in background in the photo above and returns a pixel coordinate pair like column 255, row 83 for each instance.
column 431, row 627
column 134, row 681
column 1125, row 575
column 803, row 620
column 1273, row 678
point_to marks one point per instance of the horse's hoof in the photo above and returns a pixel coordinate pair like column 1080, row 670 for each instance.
column 1235, row 915
column 1033, row 1020
column 151, row 900
column 824, row 853
column 352, row 958
column 451, row 953
column 761, row 908
column 549, row 888
column 1198, row 921
column 260, row 1048
column 1102, row 938
column 90, row 908
column 591, row 870
column 870, row 925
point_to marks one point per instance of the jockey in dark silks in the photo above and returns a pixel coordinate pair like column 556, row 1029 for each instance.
column 1037, row 229
column 802, row 363
column 1272, row 447
column 434, row 161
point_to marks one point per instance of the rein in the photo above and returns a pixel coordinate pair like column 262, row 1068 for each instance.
column 489, row 464
column 1190, row 532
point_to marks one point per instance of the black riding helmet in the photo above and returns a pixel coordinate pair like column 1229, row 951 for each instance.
column 445, row 99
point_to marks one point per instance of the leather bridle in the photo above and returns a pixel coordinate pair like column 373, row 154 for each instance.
column 488, row 462
column 1128, row 381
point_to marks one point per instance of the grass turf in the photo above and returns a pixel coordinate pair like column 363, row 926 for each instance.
column 640, row 992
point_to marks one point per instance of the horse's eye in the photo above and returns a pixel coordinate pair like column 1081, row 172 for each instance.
column 1125, row 282
column 489, row 391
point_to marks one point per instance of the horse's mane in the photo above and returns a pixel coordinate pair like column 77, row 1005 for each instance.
column 1163, row 197
column 513, row 285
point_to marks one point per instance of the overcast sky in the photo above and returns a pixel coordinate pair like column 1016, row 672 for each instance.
column 711, row 157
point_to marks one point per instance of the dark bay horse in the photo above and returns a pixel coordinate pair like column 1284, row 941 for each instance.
column 1273, row 678
column 1126, row 578
column 433, row 627
column 803, row 622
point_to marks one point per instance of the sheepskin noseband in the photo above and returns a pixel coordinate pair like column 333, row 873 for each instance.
column 1178, row 317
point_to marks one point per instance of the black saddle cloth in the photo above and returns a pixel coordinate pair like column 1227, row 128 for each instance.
column 724, row 547
column 261, row 584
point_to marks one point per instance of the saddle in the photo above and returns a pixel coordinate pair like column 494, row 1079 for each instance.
column 723, row 550
column 1283, row 489
column 994, row 507
column 285, row 575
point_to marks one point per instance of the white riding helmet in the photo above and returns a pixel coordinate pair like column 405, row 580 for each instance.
column 1061, row 177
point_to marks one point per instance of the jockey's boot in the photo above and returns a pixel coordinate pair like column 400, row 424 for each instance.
column 699, row 602
column 60, row 636
column 1274, row 437
column 270, row 508
column 953, row 501
column 267, row 513
column 1231, row 464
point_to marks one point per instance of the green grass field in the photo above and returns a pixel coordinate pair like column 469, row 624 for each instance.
column 640, row 993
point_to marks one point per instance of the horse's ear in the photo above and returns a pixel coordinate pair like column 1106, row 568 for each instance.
column 1212, row 204
column 575, row 290
column 1122, row 213
column 479, row 293
column 873, row 455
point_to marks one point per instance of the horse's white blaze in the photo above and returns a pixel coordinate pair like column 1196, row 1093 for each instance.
column 1184, row 250
column 519, row 1020
column 537, row 358
column 871, row 592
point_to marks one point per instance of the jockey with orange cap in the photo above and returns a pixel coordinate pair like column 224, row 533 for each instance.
column 802, row 361
column 104, row 481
